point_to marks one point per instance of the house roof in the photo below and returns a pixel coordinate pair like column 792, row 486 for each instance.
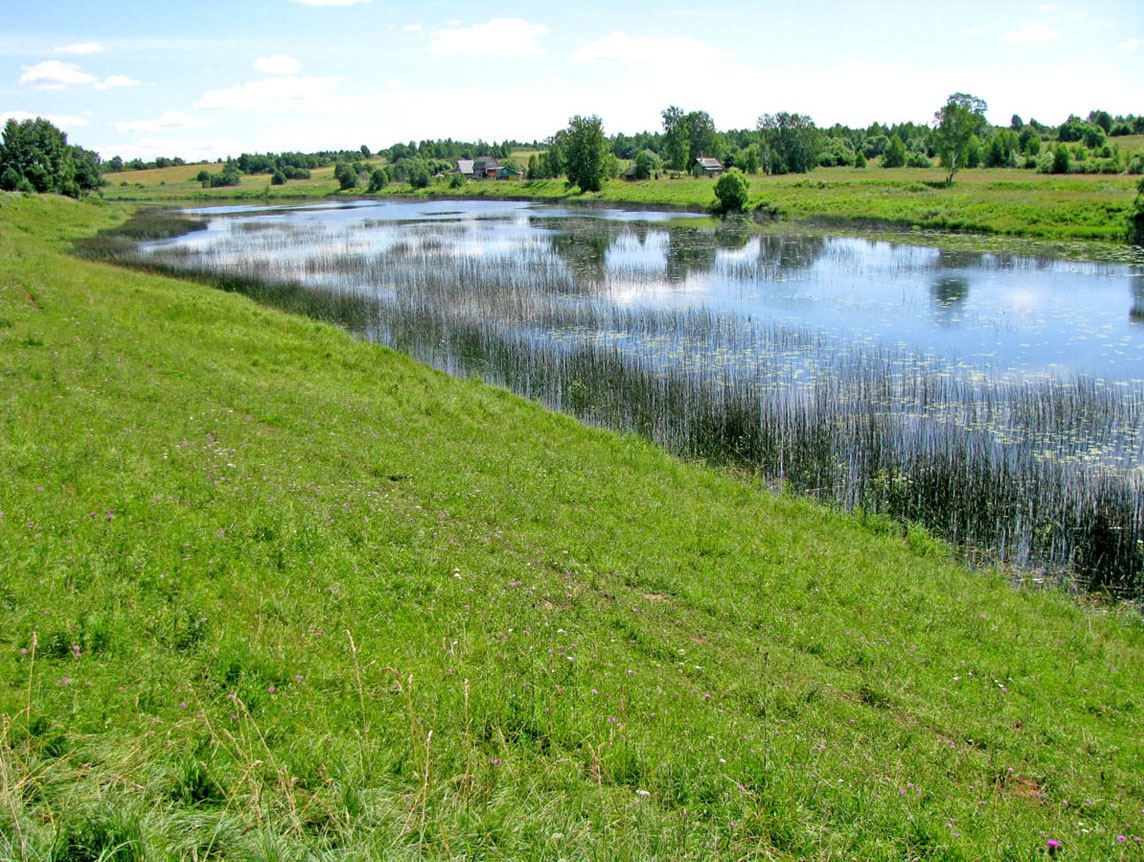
column 484, row 163
column 464, row 166
column 709, row 163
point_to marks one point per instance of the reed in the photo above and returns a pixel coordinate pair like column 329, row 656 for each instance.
column 1040, row 475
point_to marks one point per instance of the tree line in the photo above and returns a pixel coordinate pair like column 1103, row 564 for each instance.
column 788, row 142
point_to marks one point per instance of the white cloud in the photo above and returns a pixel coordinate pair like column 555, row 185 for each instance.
column 80, row 48
column 975, row 31
column 1032, row 32
column 313, row 95
column 329, row 2
column 1130, row 45
column 277, row 64
column 116, row 81
column 54, row 75
column 412, row 28
column 62, row 121
column 500, row 37
column 646, row 51
column 169, row 121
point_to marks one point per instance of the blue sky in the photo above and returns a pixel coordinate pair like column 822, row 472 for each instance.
column 206, row 79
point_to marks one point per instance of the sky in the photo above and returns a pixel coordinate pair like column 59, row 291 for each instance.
column 212, row 78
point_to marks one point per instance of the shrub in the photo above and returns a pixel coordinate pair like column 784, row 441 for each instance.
column 918, row 160
column 346, row 176
column 1060, row 159
column 1136, row 219
column 732, row 191
column 279, row 179
column 228, row 176
column 378, row 179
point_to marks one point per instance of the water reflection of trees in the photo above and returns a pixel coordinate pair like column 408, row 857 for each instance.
column 782, row 254
column 689, row 252
column 1136, row 315
column 949, row 295
column 583, row 243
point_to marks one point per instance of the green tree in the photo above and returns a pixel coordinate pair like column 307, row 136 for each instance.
column 961, row 118
column 378, row 180
column 860, row 159
column 791, row 143
column 1136, row 218
column 676, row 141
column 417, row 173
column 278, row 179
column 895, row 156
column 732, row 191
column 752, row 159
column 702, row 139
column 585, row 150
column 346, row 175
column 1060, row 159
column 648, row 165
column 35, row 155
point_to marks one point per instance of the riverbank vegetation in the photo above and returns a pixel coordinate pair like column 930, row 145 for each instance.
column 271, row 593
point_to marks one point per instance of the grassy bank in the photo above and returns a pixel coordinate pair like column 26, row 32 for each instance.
column 270, row 593
column 1008, row 202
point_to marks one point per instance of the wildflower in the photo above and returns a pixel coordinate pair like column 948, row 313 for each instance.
column 1054, row 845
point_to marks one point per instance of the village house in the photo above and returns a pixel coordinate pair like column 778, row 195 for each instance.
column 486, row 168
column 705, row 167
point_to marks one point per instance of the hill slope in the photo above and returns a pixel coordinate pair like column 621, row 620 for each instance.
column 271, row 593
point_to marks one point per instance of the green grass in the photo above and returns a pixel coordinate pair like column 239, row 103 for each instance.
column 272, row 593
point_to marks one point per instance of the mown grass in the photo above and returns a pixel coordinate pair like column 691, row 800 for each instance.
column 271, row 593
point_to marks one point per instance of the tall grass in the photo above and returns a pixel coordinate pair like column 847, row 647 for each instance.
column 1040, row 475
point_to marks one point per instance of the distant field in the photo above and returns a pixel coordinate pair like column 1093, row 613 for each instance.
column 1009, row 202
column 179, row 182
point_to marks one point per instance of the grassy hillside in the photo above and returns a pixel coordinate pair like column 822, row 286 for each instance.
column 269, row 593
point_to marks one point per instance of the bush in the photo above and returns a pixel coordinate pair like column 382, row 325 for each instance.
column 860, row 159
column 1136, row 219
column 456, row 181
column 1136, row 166
column 732, row 191
column 278, row 179
column 918, row 160
column 228, row 176
column 1060, row 159
column 378, row 179
column 418, row 175
column 648, row 165
column 346, row 175
column 203, row 176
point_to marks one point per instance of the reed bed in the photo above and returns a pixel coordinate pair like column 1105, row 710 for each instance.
column 1043, row 475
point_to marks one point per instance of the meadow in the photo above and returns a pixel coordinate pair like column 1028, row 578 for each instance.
column 272, row 593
